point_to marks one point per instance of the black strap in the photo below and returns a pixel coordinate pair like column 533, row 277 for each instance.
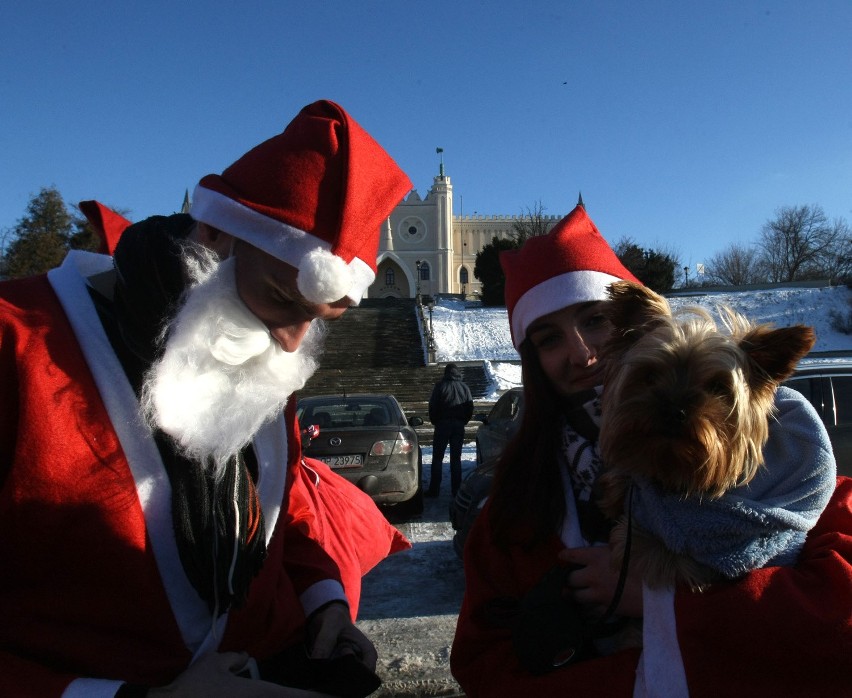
column 625, row 561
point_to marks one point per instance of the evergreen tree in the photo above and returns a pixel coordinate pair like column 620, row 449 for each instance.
column 488, row 270
column 41, row 238
column 654, row 268
column 84, row 236
column 658, row 272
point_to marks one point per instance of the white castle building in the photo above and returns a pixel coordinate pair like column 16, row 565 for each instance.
column 426, row 249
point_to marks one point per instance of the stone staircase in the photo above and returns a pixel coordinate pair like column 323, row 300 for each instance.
column 378, row 347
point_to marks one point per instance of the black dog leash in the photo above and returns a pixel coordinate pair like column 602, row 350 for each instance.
column 625, row 561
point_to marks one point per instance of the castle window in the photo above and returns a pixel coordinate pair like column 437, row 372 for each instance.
column 411, row 230
column 463, row 275
column 424, row 271
column 390, row 277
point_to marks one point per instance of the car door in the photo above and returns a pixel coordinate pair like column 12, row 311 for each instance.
column 831, row 396
column 838, row 421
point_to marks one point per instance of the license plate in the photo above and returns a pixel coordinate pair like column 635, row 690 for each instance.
column 351, row 461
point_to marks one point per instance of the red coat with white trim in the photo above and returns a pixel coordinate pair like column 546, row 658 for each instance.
column 781, row 631
column 91, row 585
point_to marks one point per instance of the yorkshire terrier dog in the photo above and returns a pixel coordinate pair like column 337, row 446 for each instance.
column 686, row 411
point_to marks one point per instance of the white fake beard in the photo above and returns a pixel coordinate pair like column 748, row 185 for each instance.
column 222, row 376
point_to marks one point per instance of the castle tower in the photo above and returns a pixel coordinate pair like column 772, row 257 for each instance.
column 422, row 248
column 441, row 195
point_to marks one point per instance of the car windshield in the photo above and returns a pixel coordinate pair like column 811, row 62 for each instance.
column 344, row 412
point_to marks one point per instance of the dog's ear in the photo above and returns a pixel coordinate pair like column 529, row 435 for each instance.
column 633, row 306
column 777, row 351
column 632, row 310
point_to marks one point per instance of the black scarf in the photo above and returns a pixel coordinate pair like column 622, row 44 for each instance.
column 218, row 525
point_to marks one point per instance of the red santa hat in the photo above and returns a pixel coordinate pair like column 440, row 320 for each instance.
column 571, row 264
column 108, row 224
column 314, row 196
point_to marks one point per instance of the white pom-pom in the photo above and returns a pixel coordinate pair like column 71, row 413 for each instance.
column 323, row 277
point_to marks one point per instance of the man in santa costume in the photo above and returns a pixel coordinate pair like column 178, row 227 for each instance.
column 160, row 529
column 776, row 631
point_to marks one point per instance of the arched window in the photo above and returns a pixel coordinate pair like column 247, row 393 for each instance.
column 424, row 271
column 390, row 277
column 463, row 276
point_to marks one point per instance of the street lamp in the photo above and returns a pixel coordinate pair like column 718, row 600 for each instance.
column 461, row 236
column 417, row 264
column 430, row 344
column 463, row 272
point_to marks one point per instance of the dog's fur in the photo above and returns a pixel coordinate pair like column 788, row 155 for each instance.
column 686, row 405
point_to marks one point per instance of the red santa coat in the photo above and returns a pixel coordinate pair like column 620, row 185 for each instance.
column 781, row 631
column 92, row 590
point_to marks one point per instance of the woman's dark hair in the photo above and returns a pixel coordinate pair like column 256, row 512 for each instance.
column 527, row 483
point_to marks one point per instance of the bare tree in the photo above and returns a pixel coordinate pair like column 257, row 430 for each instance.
column 737, row 265
column 795, row 242
column 837, row 260
column 531, row 224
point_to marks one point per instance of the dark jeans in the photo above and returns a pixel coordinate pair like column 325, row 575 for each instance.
column 447, row 431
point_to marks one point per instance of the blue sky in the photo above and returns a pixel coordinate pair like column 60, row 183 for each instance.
column 685, row 125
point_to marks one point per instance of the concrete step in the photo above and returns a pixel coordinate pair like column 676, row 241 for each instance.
column 377, row 347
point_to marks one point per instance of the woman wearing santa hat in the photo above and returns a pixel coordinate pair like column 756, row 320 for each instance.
column 540, row 539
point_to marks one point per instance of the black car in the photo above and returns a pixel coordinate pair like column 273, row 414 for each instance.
column 367, row 439
column 496, row 430
column 499, row 425
column 468, row 502
column 826, row 383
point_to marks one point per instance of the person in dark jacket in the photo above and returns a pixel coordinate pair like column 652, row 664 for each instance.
column 450, row 408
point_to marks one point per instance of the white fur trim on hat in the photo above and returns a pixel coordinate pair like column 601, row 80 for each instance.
column 554, row 294
column 289, row 244
column 283, row 241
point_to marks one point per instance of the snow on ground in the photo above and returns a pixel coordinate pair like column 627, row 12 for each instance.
column 787, row 306
column 411, row 600
column 470, row 332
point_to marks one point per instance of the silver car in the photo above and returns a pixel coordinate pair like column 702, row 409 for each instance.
column 367, row 439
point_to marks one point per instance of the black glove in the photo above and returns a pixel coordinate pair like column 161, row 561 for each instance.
column 344, row 675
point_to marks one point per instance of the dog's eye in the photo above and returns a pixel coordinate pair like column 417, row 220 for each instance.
column 717, row 387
